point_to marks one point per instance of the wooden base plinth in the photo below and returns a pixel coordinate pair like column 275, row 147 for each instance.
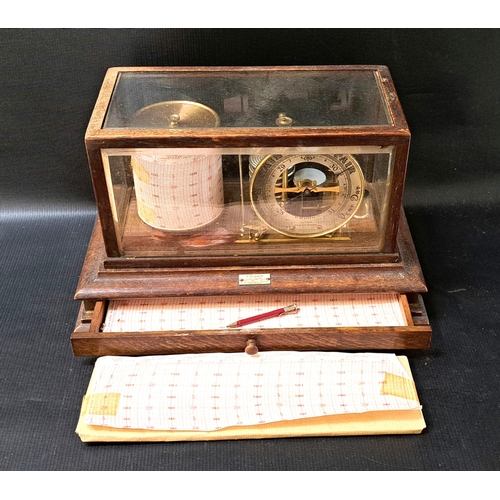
column 98, row 284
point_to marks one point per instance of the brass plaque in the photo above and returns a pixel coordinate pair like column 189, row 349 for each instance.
column 255, row 279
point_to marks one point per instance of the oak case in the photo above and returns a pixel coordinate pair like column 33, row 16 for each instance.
column 343, row 133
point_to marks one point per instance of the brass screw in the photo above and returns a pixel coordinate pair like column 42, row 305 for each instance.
column 283, row 120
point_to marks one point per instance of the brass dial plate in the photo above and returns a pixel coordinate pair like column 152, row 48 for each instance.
column 321, row 196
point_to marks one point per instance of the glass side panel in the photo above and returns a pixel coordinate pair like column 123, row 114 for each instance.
column 254, row 99
column 183, row 203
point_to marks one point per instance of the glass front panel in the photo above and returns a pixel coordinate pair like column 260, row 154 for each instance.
column 246, row 98
column 249, row 202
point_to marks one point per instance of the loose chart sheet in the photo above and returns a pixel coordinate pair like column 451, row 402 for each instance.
column 207, row 392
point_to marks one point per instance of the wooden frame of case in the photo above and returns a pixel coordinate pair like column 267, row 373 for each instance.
column 107, row 274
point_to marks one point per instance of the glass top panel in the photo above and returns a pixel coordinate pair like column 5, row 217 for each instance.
column 247, row 99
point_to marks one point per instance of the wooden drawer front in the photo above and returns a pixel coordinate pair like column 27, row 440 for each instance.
column 89, row 340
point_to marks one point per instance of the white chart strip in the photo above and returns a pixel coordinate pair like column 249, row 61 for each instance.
column 214, row 391
column 211, row 313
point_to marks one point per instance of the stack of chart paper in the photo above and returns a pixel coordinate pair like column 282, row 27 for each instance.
column 237, row 396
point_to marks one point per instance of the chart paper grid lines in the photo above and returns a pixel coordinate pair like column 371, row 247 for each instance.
column 216, row 312
column 213, row 391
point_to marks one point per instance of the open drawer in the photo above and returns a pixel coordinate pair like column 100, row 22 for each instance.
column 335, row 321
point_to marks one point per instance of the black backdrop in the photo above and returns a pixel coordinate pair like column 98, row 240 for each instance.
column 447, row 81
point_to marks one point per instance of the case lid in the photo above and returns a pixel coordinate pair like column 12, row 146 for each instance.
column 194, row 98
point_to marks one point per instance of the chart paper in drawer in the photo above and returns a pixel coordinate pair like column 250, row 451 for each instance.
column 327, row 310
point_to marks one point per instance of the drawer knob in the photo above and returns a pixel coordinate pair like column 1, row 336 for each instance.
column 251, row 347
